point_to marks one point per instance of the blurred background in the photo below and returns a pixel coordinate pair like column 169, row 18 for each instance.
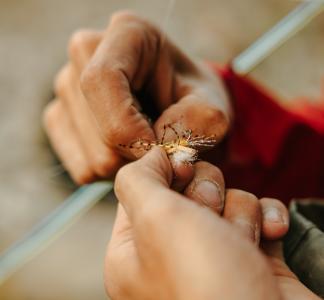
column 33, row 39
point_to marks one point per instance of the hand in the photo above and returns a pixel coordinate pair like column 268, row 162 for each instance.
column 113, row 79
column 165, row 246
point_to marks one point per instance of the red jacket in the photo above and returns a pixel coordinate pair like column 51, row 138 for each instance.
column 272, row 150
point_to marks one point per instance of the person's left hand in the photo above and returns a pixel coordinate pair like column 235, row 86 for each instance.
column 114, row 82
column 164, row 246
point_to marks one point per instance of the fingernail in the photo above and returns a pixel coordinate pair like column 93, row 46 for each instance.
column 209, row 193
column 274, row 215
column 249, row 230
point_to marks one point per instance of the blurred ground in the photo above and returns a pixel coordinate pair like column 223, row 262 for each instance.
column 33, row 38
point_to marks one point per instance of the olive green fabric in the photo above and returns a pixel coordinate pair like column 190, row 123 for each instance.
column 304, row 243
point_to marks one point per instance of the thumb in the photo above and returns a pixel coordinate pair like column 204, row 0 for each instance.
column 145, row 183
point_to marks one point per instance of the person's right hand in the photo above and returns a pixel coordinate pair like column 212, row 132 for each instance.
column 166, row 246
column 115, row 77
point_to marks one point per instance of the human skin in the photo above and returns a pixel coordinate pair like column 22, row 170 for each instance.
column 113, row 80
column 167, row 245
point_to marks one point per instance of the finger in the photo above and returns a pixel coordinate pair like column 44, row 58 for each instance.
column 275, row 254
column 64, row 140
column 191, row 113
column 244, row 211
column 207, row 187
column 104, row 160
column 142, row 187
column 183, row 174
column 82, row 45
column 108, row 80
column 273, row 249
column 205, row 113
column 275, row 220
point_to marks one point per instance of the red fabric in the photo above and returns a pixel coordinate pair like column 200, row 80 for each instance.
column 273, row 151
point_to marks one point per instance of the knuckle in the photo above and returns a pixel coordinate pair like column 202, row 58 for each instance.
column 240, row 194
column 119, row 128
column 62, row 80
column 213, row 170
column 253, row 200
column 114, row 131
column 133, row 23
column 124, row 16
column 98, row 71
column 83, row 176
column 123, row 178
column 251, row 197
column 114, row 134
column 91, row 76
column 79, row 168
column 102, row 166
column 51, row 114
column 220, row 121
column 77, row 42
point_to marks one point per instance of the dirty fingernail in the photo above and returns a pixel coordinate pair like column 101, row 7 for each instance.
column 210, row 194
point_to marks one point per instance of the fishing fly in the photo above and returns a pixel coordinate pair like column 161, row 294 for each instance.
column 183, row 149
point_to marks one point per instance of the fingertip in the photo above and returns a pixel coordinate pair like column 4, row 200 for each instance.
column 207, row 186
column 107, row 163
column 273, row 231
column 183, row 174
column 123, row 16
column 52, row 114
column 158, row 161
column 275, row 222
